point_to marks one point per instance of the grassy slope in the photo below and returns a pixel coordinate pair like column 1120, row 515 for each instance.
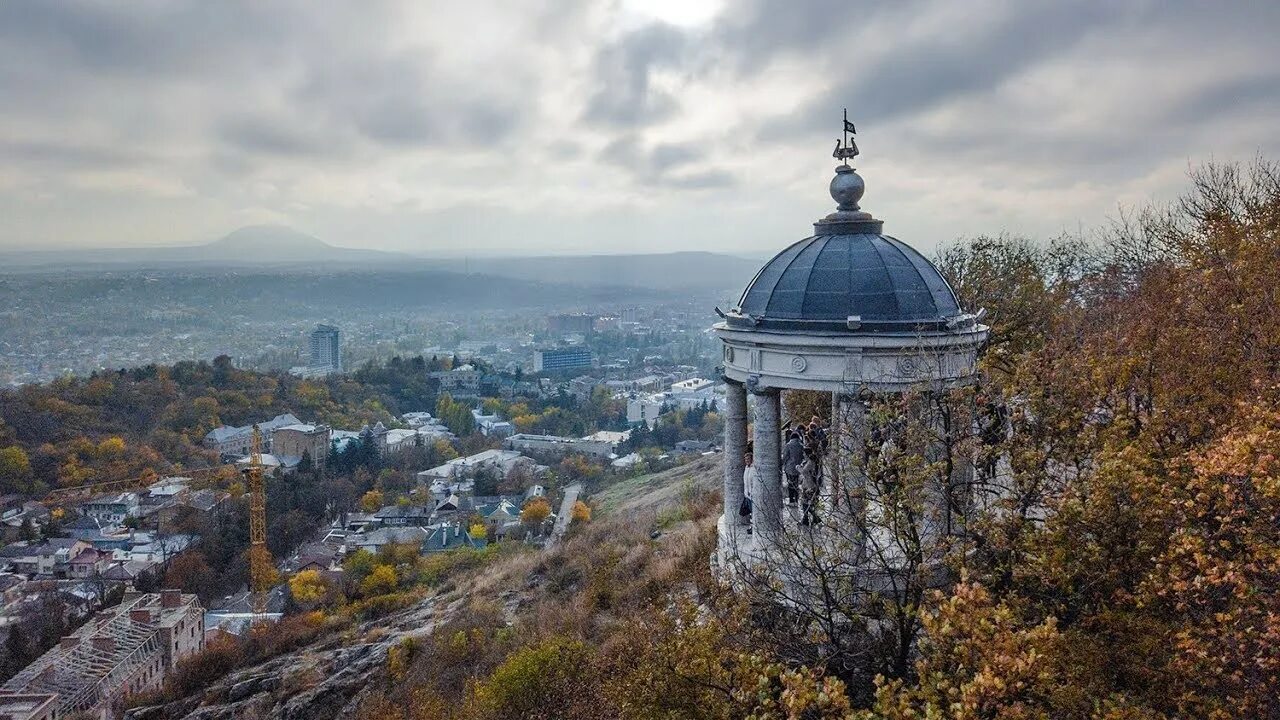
column 586, row 587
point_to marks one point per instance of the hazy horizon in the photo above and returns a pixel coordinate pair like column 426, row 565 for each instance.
column 611, row 127
column 443, row 253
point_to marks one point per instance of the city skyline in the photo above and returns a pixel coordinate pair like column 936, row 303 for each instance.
column 611, row 127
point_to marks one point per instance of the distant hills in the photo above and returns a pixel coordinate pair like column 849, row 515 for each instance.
column 283, row 248
column 248, row 246
column 277, row 244
column 678, row 270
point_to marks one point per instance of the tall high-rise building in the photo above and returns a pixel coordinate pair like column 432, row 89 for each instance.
column 584, row 323
column 326, row 350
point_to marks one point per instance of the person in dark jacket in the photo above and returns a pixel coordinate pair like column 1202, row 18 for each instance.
column 792, row 456
column 813, row 440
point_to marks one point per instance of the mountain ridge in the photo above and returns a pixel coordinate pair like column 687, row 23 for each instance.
column 283, row 247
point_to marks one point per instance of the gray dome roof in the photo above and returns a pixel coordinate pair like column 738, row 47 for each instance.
column 847, row 270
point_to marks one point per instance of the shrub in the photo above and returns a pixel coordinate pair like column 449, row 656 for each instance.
column 552, row 679
column 381, row 581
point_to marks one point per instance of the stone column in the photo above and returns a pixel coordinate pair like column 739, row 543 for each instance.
column 848, row 446
column 831, row 463
column 735, row 445
column 767, row 515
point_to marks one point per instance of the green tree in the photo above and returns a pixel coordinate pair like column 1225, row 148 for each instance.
column 359, row 564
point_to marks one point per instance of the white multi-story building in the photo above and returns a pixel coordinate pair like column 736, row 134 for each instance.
column 559, row 446
column 692, row 385
column 644, row 409
column 503, row 460
column 464, row 379
column 112, row 509
column 492, row 425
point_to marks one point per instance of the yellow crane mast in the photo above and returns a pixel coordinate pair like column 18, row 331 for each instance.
column 261, row 569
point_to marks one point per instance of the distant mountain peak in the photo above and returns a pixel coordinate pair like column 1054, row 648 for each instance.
column 259, row 238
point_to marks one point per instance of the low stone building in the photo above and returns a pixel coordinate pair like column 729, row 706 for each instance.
column 231, row 440
column 292, row 441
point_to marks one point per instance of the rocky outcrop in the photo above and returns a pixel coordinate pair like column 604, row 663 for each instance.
column 317, row 682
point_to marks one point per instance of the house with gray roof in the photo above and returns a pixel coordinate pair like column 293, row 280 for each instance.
column 450, row 536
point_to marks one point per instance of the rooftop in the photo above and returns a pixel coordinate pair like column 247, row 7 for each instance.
column 849, row 307
column 847, row 276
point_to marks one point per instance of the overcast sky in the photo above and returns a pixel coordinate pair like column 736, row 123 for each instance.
column 612, row 126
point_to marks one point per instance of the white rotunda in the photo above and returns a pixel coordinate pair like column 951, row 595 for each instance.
column 849, row 311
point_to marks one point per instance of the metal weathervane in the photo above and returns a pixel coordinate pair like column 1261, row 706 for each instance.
column 848, row 149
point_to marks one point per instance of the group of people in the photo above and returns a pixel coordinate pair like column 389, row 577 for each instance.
column 802, row 454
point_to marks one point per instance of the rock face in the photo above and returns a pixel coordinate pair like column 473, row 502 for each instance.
column 316, row 682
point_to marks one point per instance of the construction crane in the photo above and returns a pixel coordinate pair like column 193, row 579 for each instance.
column 61, row 494
column 261, row 569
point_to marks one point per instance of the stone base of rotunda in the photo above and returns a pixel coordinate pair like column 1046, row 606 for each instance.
column 734, row 546
column 744, row 557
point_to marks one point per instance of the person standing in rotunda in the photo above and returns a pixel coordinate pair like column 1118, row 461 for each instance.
column 792, row 456
column 809, row 488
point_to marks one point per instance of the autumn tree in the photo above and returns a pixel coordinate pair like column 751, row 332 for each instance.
column 371, row 501
column 977, row 660
column 308, row 587
column 1139, row 487
column 1213, row 586
column 381, row 581
column 803, row 405
column 535, row 512
column 15, row 468
column 686, row 661
column 553, row 679
column 190, row 572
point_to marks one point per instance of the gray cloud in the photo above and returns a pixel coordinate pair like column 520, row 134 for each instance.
column 255, row 136
column 198, row 116
column 46, row 154
column 668, row 165
column 625, row 96
column 903, row 76
column 399, row 100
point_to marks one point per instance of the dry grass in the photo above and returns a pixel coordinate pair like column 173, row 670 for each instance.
column 587, row 588
column 651, row 494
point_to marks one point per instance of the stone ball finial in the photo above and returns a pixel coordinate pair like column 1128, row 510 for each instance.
column 847, row 188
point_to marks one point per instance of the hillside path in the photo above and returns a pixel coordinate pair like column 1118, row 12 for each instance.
column 566, row 512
